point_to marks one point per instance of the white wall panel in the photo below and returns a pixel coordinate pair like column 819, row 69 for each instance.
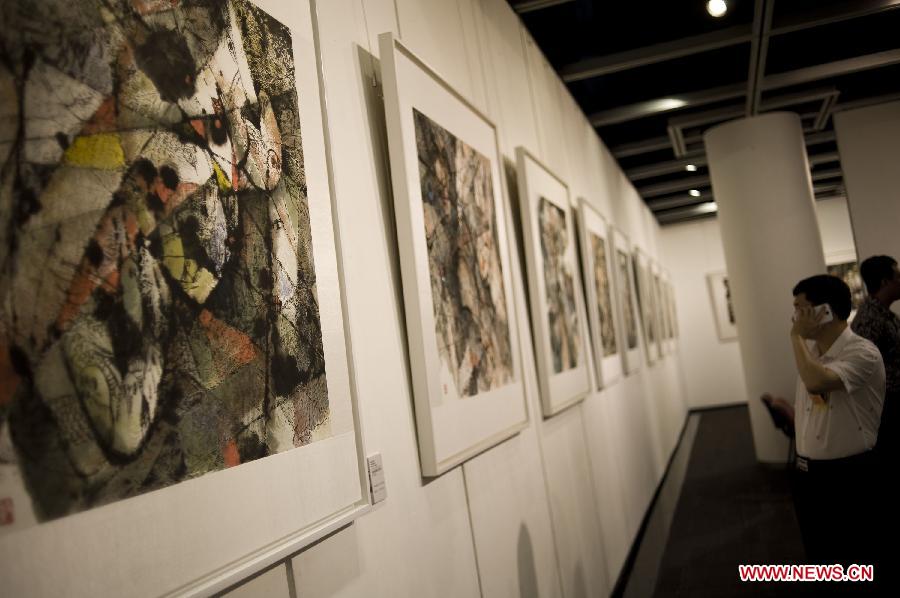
column 511, row 520
column 435, row 31
column 506, row 74
column 418, row 543
column 379, row 16
column 573, row 506
column 545, row 98
column 608, row 479
column 269, row 584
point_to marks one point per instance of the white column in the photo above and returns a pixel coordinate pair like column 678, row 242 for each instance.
column 760, row 179
column 869, row 144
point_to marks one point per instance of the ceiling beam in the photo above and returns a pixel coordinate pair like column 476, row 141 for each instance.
column 825, row 158
column 533, row 5
column 759, row 51
column 824, row 175
column 865, row 102
column 666, row 104
column 655, row 144
column 832, row 69
column 662, row 168
column 820, row 137
column 679, row 201
column 679, row 48
column 825, row 15
column 703, row 210
column 658, row 189
column 818, row 72
column 828, row 188
column 702, row 182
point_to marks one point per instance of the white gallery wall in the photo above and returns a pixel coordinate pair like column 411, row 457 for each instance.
column 713, row 371
column 554, row 510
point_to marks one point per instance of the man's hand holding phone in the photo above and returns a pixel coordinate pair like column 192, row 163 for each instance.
column 807, row 320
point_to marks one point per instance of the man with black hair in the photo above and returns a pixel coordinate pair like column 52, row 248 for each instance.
column 875, row 321
column 836, row 412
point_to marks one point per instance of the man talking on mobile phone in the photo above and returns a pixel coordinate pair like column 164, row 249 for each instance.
column 836, row 412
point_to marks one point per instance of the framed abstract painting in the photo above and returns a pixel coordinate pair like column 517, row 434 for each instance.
column 627, row 302
column 177, row 394
column 643, row 282
column 662, row 315
column 454, row 256
column 596, row 262
column 554, row 282
column 720, row 296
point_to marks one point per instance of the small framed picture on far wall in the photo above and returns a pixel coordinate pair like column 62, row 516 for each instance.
column 720, row 295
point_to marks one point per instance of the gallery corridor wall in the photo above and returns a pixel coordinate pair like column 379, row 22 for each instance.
column 557, row 506
column 552, row 511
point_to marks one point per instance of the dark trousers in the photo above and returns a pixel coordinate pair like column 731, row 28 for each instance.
column 840, row 507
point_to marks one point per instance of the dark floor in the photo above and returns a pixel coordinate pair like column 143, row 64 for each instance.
column 731, row 511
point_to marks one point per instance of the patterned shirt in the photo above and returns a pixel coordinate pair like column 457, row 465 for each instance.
column 881, row 326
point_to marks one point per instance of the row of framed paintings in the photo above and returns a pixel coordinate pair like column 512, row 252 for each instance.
column 453, row 231
column 178, row 392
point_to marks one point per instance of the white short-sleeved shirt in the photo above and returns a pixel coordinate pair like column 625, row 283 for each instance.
column 842, row 423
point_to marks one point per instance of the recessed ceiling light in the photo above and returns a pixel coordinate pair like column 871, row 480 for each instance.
column 716, row 8
column 691, row 168
column 694, row 193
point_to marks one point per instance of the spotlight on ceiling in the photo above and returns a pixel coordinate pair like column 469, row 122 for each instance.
column 691, row 168
column 694, row 193
column 716, row 8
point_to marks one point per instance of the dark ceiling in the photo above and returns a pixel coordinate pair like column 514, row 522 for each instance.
column 653, row 75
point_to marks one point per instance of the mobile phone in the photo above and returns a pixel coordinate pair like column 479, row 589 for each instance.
column 824, row 309
column 820, row 309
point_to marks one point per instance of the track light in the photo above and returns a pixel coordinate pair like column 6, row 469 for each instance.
column 694, row 193
column 716, row 8
column 691, row 168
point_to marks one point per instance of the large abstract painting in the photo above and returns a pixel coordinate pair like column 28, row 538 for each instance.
column 160, row 317
column 467, row 290
column 454, row 255
column 559, row 281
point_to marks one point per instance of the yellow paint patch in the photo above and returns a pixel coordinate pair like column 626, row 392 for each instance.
column 102, row 151
column 224, row 183
column 173, row 253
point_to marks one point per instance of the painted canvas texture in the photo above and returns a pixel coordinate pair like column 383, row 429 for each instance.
column 159, row 315
column 662, row 313
column 604, row 299
column 849, row 273
column 642, row 284
column 559, row 281
column 628, row 316
column 465, row 269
